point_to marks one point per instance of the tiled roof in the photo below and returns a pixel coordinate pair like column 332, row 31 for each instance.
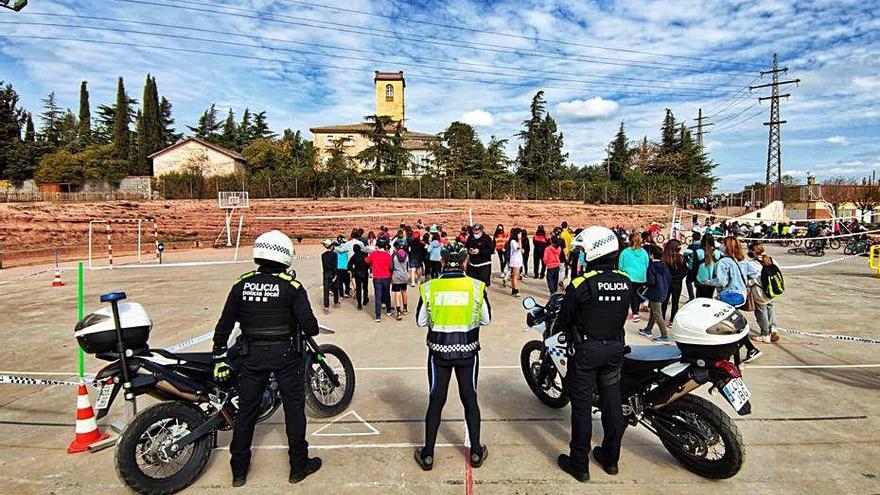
column 220, row 149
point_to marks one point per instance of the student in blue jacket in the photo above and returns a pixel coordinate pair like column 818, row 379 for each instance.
column 658, row 278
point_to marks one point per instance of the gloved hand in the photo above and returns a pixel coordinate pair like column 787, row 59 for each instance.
column 222, row 370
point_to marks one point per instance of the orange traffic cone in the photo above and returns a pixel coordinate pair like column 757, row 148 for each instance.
column 87, row 432
column 56, row 280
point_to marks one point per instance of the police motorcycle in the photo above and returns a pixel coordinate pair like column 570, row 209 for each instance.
column 657, row 381
column 166, row 446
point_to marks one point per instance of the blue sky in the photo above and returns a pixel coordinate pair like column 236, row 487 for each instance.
column 481, row 62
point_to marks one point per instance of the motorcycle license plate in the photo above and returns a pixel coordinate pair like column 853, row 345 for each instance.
column 103, row 399
column 736, row 393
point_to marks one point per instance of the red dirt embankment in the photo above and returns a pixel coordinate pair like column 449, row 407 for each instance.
column 34, row 229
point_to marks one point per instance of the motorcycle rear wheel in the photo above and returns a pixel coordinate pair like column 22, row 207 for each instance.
column 136, row 452
column 322, row 397
column 700, row 413
column 528, row 368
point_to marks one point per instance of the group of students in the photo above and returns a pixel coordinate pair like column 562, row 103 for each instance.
column 746, row 278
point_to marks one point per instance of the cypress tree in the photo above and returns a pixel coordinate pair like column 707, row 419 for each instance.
column 244, row 129
column 30, row 136
column 149, row 126
column 618, row 155
column 121, row 119
column 84, row 131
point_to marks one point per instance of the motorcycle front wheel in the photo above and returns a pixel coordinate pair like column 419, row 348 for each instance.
column 549, row 391
column 323, row 397
column 140, row 460
column 717, row 452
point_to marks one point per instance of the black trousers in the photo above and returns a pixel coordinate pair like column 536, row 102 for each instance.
column 466, row 374
column 343, row 281
column 634, row 300
column 502, row 260
column 596, row 363
column 330, row 287
column 289, row 367
column 705, row 290
column 689, row 283
column 360, row 289
column 538, row 268
column 525, row 267
column 674, row 296
column 481, row 273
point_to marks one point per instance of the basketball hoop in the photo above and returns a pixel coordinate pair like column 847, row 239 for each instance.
column 229, row 201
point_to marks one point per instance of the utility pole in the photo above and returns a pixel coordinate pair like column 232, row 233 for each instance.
column 699, row 127
column 774, row 147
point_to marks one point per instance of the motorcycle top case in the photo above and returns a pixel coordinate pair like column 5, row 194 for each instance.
column 96, row 333
column 708, row 329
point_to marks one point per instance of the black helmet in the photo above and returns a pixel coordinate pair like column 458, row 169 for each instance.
column 453, row 254
column 382, row 242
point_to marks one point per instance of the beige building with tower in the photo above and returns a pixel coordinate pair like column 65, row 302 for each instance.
column 390, row 89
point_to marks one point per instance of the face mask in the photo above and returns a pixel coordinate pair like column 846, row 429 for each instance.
column 477, row 235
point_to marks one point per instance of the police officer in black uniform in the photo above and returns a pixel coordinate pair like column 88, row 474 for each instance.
column 594, row 312
column 271, row 307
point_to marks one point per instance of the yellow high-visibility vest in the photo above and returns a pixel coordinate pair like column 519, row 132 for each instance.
column 453, row 304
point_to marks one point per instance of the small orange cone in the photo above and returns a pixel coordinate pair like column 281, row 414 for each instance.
column 87, row 431
column 56, row 280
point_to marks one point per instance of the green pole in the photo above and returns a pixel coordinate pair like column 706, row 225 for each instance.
column 80, row 358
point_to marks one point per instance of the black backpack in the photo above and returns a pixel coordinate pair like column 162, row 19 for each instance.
column 772, row 281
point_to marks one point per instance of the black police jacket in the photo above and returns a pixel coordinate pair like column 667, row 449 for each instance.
column 267, row 306
column 596, row 305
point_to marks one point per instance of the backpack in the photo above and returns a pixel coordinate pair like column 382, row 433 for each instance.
column 772, row 281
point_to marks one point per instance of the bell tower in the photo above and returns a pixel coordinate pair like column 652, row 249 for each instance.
column 390, row 94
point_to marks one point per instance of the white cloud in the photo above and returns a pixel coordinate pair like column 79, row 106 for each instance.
column 866, row 83
column 841, row 140
column 596, row 108
column 477, row 118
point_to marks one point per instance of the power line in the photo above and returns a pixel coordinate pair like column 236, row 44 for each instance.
column 512, row 35
column 311, row 64
column 734, row 125
column 339, row 27
column 590, row 84
column 673, row 84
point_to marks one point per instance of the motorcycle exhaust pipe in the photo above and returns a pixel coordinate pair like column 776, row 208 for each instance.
column 168, row 387
column 671, row 392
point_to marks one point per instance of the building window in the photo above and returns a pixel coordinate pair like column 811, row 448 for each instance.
column 389, row 92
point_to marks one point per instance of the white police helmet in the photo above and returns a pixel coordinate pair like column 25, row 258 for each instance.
column 274, row 246
column 596, row 242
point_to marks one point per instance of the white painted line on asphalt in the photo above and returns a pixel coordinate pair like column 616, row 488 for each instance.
column 355, row 446
column 373, row 431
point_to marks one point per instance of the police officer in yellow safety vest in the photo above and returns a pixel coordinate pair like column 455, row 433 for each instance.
column 453, row 307
column 593, row 313
column 271, row 306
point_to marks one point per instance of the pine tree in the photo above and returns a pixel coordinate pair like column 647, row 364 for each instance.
column 10, row 123
column 668, row 141
column 52, row 116
column 121, row 119
column 552, row 159
column 208, row 126
column 460, row 151
column 260, row 128
column 84, row 132
column 68, row 131
column 495, row 161
column 229, row 136
column 615, row 163
column 169, row 133
column 245, row 128
column 529, row 153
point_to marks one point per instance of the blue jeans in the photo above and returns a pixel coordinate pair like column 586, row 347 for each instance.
column 553, row 280
column 381, row 294
column 766, row 317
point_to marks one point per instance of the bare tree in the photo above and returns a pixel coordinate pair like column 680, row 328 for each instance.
column 868, row 197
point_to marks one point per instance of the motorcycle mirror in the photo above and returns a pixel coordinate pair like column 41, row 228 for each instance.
column 529, row 302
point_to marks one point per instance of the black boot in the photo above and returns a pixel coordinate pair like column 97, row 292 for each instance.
column 599, row 455
column 311, row 467
column 564, row 462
